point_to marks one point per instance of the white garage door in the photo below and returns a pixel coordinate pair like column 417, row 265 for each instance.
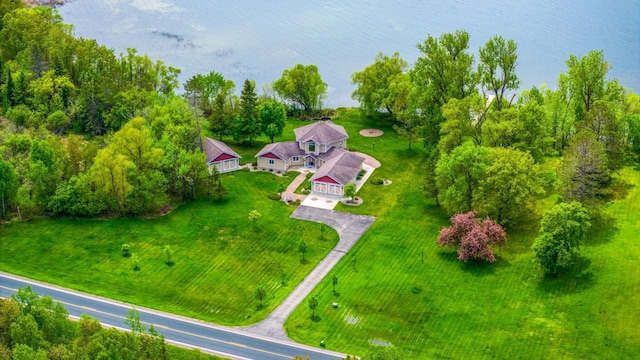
column 320, row 187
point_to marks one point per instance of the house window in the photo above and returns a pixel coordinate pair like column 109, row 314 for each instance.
column 296, row 159
column 312, row 147
column 272, row 162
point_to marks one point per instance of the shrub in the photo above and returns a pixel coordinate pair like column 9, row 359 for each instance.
column 246, row 169
column 377, row 181
column 306, row 192
column 274, row 197
column 295, row 202
column 126, row 250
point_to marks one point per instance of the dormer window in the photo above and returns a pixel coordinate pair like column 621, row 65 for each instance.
column 312, row 147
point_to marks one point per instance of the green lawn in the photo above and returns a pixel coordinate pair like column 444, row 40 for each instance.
column 219, row 258
column 463, row 311
column 476, row 310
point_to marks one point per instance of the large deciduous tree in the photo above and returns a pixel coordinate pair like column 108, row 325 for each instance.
column 511, row 183
column 374, row 90
column 303, row 86
column 458, row 176
column 273, row 118
column 562, row 229
column 475, row 237
column 445, row 68
column 586, row 80
column 497, row 68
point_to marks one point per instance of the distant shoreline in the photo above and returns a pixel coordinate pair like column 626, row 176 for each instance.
column 33, row 3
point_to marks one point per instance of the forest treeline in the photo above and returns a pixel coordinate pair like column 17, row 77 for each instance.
column 484, row 136
column 92, row 133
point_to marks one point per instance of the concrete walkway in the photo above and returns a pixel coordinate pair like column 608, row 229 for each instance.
column 350, row 227
column 289, row 193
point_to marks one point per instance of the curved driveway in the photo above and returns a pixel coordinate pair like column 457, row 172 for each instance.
column 350, row 227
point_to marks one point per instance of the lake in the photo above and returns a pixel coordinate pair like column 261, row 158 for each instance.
column 259, row 39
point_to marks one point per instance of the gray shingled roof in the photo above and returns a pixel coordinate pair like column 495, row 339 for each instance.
column 341, row 165
column 321, row 132
column 215, row 148
column 283, row 150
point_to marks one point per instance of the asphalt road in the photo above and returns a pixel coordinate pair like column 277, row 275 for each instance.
column 226, row 342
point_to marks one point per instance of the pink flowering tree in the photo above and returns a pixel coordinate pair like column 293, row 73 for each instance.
column 475, row 237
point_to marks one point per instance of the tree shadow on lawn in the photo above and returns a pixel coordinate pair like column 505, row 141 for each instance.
column 569, row 281
column 603, row 229
column 476, row 267
column 620, row 189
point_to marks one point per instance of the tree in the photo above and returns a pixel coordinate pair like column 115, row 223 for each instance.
column 272, row 118
column 8, row 184
column 201, row 90
column 562, row 229
column 609, row 129
column 168, row 253
column 458, row 176
column 260, row 294
column 583, row 172
column 222, row 115
column 254, row 215
column 110, row 173
column 350, row 191
column 136, row 261
column 445, row 68
column 248, row 120
column 374, row 83
column 217, row 188
column 302, row 85
column 313, row 304
column 511, row 183
column 334, row 282
column 302, row 248
column 462, row 121
column 410, row 123
column 497, row 68
column 133, row 321
column 474, row 236
column 531, row 125
column 586, row 80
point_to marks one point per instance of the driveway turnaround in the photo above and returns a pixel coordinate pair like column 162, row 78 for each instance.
column 225, row 342
column 350, row 227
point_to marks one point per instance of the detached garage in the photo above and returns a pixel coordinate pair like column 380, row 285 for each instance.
column 220, row 155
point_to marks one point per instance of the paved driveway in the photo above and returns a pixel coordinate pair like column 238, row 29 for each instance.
column 350, row 227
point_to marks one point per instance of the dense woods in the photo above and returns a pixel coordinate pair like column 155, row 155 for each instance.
column 484, row 139
column 33, row 327
column 86, row 132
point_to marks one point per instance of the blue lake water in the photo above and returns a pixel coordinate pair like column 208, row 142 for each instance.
column 259, row 39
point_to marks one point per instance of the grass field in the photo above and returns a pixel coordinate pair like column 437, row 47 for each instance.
column 219, row 258
column 504, row 310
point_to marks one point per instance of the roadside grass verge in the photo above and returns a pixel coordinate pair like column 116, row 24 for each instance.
column 220, row 258
column 398, row 287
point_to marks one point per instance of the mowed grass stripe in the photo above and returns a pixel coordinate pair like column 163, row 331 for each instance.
column 506, row 309
column 219, row 257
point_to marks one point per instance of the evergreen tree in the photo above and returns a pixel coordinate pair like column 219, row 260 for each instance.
column 248, row 121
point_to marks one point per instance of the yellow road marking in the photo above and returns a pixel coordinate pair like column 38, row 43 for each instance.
column 167, row 328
